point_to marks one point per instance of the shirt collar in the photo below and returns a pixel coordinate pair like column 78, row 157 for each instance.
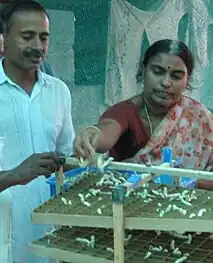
column 42, row 78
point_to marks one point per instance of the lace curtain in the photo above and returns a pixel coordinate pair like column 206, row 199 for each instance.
column 132, row 30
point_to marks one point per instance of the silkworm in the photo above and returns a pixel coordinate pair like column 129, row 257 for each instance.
column 185, row 202
column 201, row 212
column 128, row 238
column 192, row 215
column 156, row 249
column 177, row 252
column 189, row 241
column 86, row 203
column 128, row 193
column 83, row 240
column 178, row 235
column 148, row 255
column 162, row 213
column 81, row 196
column 172, row 245
column 140, row 195
column 99, row 211
column 92, row 242
column 52, row 233
column 193, row 195
column 175, row 195
column 64, row 201
column 165, row 192
column 94, row 192
column 148, row 200
column 109, row 249
column 181, row 210
column 168, row 209
column 122, row 179
column 87, row 195
column 181, row 260
column 158, row 232
column 100, row 183
column 155, row 192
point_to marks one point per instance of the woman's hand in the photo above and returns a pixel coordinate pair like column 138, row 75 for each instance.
column 86, row 143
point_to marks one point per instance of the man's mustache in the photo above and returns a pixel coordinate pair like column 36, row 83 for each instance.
column 34, row 53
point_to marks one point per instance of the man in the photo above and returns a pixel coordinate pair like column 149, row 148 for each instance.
column 45, row 66
column 35, row 119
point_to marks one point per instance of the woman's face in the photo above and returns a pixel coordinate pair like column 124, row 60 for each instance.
column 165, row 78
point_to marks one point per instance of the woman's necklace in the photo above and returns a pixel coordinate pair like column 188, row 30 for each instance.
column 149, row 120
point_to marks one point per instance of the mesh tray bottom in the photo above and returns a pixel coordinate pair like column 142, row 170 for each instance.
column 199, row 249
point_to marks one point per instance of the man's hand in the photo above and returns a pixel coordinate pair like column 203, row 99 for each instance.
column 38, row 164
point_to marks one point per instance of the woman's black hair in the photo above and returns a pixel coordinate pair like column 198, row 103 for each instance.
column 167, row 46
column 18, row 5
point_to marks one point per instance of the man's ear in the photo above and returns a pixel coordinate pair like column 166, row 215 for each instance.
column 5, row 40
column 1, row 44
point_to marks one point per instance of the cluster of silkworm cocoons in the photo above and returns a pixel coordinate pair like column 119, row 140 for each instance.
column 153, row 249
column 91, row 242
column 176, row 251
column 109, row 180
column 185, row 198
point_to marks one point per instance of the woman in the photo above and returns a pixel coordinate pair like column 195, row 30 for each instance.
column 137, row 129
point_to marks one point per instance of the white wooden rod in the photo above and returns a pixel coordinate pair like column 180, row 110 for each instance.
column 157, row 170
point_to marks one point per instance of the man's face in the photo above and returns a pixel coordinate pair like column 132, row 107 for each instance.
column 27, row 41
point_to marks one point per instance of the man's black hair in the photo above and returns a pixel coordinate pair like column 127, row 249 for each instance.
column 1, row 27
column 18, row 5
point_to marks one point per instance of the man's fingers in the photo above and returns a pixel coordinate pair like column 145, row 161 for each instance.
column 50, row 156
column 48, row 164
column 44, row 171
column 45, row 155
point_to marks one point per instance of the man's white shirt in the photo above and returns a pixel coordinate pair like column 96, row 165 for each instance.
column 38, row 123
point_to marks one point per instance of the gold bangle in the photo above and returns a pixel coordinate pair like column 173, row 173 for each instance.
column 94, row 127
